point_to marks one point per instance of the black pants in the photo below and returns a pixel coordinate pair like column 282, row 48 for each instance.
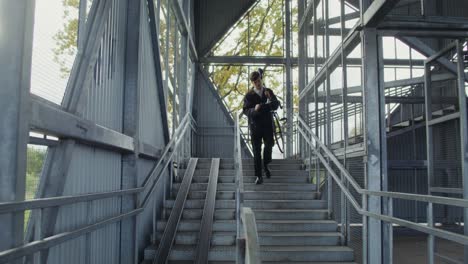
column 257, row 137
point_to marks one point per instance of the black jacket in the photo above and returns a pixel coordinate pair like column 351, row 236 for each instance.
column 260, row 121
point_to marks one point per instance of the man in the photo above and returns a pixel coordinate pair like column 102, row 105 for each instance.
column 258, row 104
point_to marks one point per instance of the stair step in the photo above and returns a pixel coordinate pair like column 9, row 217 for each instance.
column 247, row 172
column 306, row 253
column 187, row 253
column 220, row 214
column 296, row 226
column 266, row 186
column 262, row 225
column 230, row 166
column 260, row 214
column 251, row 161
column 299, row 238
column 255, row 204
column 191, row 238
column 194, row 225
column 287, row 214
column 251, row 179
column 267, row 253
column 257, row 195
column 220, row 195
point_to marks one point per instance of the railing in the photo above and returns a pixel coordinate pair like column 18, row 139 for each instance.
column 145, row 191
column 247, row 242
column 326, row 157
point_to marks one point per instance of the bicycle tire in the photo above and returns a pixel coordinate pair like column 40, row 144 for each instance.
column 278, row 133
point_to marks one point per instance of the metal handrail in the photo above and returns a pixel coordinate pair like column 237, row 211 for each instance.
column 153, row 177
column 462, row 239
column 358, row 189
column 252, row 248
column 247, row 243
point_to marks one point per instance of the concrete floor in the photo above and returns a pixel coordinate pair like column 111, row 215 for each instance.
column 413, row 250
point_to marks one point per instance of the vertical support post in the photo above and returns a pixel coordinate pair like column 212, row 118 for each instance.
column 16, row 37
column 428, row 110
column 344, row 83
column 430, row 238
column 375, row 138
column 82, row 24
column 327, row 108
column 463, row 133
column 316, row 110
column 166, row 55
column 289, row 88
column 303, row 108
column 131, row 106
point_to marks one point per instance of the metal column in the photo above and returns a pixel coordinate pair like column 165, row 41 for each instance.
column 463, row 133
column 289, row 88
column 375, row 139
column 16, row 27
column 128, row 247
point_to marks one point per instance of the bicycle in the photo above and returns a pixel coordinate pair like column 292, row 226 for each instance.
column 277, row 131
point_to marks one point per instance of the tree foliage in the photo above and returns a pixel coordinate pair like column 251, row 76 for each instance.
column 259, row 33
column 66, row 38
column 35, row 161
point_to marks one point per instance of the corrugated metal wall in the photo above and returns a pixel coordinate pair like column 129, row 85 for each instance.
column 213, row 18
column 150, row 127
column 215, row 126
column 94, row 169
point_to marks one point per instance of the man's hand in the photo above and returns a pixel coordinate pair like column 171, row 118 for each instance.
column 257, row 107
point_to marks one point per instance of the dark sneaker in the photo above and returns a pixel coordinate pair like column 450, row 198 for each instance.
column 267, row 172
column 259, row 180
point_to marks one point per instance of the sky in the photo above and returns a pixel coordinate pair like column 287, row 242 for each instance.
column 46, row 79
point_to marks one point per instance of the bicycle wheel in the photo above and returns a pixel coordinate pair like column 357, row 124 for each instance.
column 278, row 133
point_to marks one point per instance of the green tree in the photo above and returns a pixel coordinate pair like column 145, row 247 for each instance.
column 66, row 38
column 264, row 37
column 35, row 161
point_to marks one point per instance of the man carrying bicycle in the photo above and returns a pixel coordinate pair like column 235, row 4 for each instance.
column 258, row 104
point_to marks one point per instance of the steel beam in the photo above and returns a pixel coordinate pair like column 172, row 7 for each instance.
column 184, row 27
column 131, row 118
column 289, row 87
column 372, row 15
column 463, row 132
column 16, row 27
column 206, row 226
column 58, row 159
column 57, row 122
column 154, row 31
column 427, row 51
column 376, row 11
column 375, row 138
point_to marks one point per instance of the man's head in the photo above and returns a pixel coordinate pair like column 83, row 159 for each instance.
column 256, row 80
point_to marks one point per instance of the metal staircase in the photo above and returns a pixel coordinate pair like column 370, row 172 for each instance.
column 292, row 223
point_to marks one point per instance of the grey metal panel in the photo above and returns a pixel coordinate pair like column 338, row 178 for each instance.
column 93, row 169
column 213, row 18
column 145, row 219
column 151, row 130
column 104, row 103
column 212, row 118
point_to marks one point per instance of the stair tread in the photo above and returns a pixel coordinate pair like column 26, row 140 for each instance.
column 299, row 234
column 305, row 248
column 294, row 221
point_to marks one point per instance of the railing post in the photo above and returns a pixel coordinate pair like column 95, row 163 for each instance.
column 344, row 221
column 430, row 238
column 364, row 230
column 38, row 234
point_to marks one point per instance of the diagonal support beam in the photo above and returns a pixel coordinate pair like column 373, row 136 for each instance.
column 427, row 51
column 58, row 159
